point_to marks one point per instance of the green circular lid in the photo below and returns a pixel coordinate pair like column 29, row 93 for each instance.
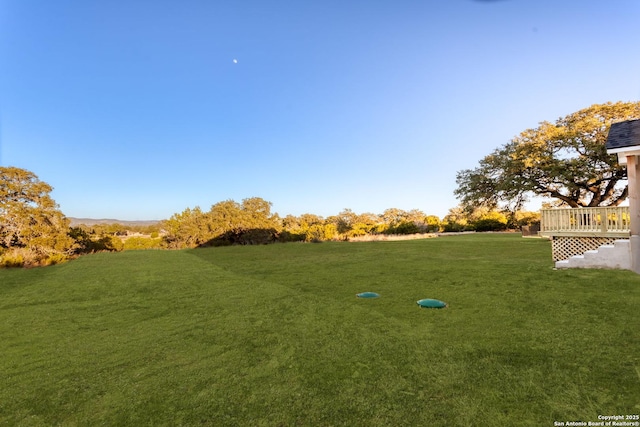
column 431, row 303
column 368, row 295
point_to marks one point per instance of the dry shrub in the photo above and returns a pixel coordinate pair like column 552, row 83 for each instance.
column 26, row 257
column 385, row 237
column 17, row 257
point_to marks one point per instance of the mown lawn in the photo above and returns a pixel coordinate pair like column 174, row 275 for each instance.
column 274, row 336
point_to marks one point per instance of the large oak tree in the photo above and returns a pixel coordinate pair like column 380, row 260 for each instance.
column 566, row 161
column 29, row 217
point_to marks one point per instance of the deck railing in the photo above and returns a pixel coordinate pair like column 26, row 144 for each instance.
column 600, row 221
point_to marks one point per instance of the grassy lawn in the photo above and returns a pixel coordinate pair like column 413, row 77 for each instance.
column 274, row 336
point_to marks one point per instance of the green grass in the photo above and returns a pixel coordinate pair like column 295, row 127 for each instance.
column 274, row 336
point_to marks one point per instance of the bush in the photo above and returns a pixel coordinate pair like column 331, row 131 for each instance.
column 489, row 224
column 11, row 259
column 288, row 236
column 108, row 243
column 454, row 227
column 55, row 259
column 433, row 224
column 134, row 243
column 27, row 257
column 320, row 233
column 405, row 227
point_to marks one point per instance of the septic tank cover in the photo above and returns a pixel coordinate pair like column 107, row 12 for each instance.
column 431, row 303
column 368, row 295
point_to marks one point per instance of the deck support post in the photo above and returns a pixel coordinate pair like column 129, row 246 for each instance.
column 633, row 175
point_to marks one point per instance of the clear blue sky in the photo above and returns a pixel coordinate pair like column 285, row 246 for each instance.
column 135, row 109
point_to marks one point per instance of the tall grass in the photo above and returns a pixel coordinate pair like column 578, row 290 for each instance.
column 274, row 335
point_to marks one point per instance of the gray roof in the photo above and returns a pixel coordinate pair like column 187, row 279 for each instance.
column 624, row 134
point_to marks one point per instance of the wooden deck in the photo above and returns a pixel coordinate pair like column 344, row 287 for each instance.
column 586, row 222
column 573, row 231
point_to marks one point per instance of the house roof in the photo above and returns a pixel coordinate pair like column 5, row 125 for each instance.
column 623, row 134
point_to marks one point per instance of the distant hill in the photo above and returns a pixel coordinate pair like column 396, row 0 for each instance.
column 92, row 221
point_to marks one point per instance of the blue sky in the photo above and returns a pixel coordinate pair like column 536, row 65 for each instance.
column 137, row 110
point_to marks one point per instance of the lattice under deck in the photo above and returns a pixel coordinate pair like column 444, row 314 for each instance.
column 566, row 247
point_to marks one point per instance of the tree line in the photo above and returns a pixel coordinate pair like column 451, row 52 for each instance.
column 251, row 222
column 33, row 231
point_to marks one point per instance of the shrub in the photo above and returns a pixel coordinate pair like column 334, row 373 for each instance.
column 405, row 227
column 27, row 257
column 107, row 243
column 134, row 243
column 454, row 227
column 11, row 259
column 433, row 224
column 288, row 236
column 55, row 259
column 320, row 233
column 490, row 224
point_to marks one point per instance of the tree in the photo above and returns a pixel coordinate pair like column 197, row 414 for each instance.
column 393, row 216
column 399, row 221
column 30, row 219
column 566, row 161
column 433, row 223
column 344, row 221
column 366, row 223
column 189, row 228
column 257, row 214
column 320, row 232
column 306, row 227
column 455, row 220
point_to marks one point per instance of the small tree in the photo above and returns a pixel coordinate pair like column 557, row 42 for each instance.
column 456, row 220
column 189, row 228
column 433, row 224
column 319, row 233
